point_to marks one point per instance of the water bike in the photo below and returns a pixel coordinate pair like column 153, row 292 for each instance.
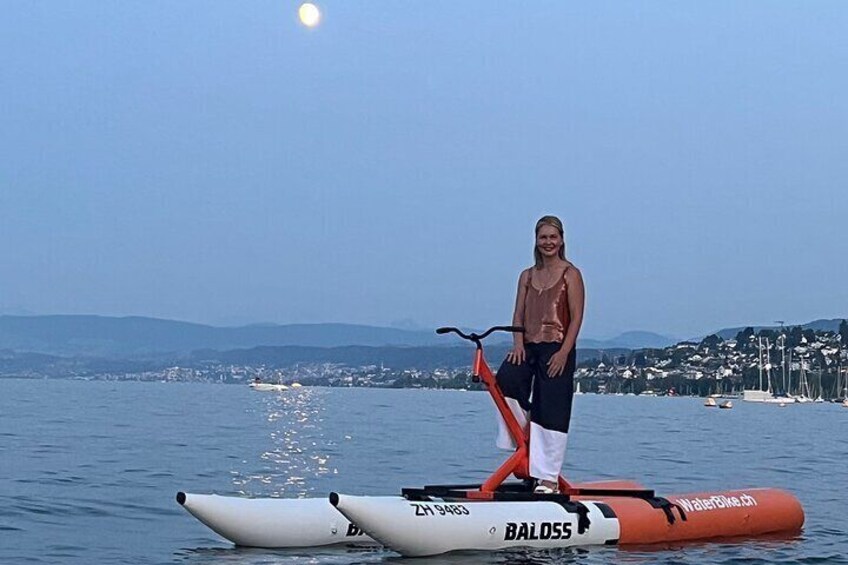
column 497, row 514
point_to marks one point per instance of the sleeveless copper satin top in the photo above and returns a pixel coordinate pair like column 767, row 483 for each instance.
column 546, row 314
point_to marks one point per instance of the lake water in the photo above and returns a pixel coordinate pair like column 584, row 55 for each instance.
column 89, row 470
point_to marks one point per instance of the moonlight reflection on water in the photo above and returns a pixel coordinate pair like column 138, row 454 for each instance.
column 298, row 450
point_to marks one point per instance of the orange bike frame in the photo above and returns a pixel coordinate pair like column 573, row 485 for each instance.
column 518, row 462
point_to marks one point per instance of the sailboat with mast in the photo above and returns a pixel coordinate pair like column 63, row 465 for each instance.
column 782, row 399
column 760, row 394
column 804, row 395
column 840, row 386
column 764, row 364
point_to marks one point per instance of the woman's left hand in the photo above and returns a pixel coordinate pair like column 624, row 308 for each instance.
column 556, row 364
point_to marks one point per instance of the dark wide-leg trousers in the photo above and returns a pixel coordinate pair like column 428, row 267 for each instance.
column 528, row 388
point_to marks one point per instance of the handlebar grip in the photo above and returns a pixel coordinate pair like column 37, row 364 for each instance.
column 444, row 330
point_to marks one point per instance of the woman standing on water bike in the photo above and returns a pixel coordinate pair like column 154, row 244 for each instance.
column 549, row 306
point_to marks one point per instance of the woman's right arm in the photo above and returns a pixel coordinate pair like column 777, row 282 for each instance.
column 516, row 355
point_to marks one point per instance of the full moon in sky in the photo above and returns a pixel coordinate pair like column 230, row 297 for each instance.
column 309, row 14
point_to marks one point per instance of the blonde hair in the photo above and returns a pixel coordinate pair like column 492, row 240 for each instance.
column 556, row 223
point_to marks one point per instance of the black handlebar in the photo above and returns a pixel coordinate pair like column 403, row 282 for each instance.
column 476, row 338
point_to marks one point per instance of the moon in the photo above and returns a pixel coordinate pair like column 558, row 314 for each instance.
column 309, row 14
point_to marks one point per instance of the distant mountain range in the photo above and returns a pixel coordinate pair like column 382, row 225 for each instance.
column 102, row 336
column 138, row 337
column 630, row 340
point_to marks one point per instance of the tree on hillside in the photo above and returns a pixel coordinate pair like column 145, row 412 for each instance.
column 810, row 335
column 795, row 335
column 743, row 337
column 843, row 331
column 768, row 334
column 710, row 342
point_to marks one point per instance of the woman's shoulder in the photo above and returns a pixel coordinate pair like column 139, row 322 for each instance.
column 571, row 272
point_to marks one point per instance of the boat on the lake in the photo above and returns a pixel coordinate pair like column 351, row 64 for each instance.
column 498, row 515
column 418, row 524
column 259, row 386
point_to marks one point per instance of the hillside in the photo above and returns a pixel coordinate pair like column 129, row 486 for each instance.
column 823, row 325
column 139, row 337
column 104, row 336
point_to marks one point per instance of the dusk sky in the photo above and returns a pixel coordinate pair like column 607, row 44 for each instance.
column 219, row 162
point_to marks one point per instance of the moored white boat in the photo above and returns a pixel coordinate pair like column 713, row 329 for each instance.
column 756, row 395
column 268, row 387
column 766, row 397
column 781, row 400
